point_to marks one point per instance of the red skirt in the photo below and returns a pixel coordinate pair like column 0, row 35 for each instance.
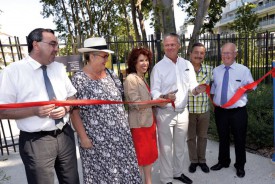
column 145, row 142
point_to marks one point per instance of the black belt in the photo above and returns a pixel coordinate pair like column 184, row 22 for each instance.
column 53, row 133
column 232, row 109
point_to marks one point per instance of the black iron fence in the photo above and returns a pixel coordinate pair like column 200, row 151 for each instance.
column 255, row 51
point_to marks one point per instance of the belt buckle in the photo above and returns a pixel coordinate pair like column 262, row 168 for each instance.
column 55, row 133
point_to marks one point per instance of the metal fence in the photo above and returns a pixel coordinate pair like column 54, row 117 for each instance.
column 255, row 51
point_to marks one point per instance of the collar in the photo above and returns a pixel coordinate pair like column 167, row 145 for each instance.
column 34, row 64
column 232, row 66
column 168, row 59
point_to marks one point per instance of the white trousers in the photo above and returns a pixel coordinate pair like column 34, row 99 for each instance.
column 172, row 133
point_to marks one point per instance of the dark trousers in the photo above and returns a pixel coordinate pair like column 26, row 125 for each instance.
column 42, row 154
column 234, row 120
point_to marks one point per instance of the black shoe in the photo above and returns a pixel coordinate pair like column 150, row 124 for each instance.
column 169, row 183
column 193, row 167
column 218, row 166
column 184, row 179
column 204, row 167
column 239, row 171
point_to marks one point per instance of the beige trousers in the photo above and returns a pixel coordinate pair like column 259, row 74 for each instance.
column 172, row 132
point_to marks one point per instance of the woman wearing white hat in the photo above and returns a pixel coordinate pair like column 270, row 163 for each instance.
column 107, row 150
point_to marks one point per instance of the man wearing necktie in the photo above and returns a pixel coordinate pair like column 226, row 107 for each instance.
column 46, row 141
column 228, row 78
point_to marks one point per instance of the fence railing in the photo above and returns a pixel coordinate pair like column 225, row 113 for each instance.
column 255, row 51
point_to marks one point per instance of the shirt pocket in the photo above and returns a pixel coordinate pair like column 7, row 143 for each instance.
column 237, row 83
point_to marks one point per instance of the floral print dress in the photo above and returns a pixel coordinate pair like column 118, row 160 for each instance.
column 112, row 159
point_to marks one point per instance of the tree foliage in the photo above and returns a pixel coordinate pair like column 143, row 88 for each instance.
column 98, row 17
column 246, row 21
column 213, row 15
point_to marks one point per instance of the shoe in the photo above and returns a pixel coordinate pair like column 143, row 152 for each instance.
column 193, row 167
column 184, row 179
column 204, row 167
column 218, row 166
column 169, row 183
column 239, row 171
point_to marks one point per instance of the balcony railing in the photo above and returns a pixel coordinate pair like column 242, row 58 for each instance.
column 227, row 19
column 264, row 6
column 267, row 22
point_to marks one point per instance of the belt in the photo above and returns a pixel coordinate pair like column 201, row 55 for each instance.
column 53, row 133
column 232, row 109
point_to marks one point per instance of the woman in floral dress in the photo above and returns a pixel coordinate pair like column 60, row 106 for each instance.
column 106, row 147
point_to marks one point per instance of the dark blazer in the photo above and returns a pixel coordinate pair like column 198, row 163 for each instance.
column 136, row 90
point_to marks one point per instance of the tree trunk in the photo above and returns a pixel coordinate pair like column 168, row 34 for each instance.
column 141, row 23
column 203, row 6
column 86, row 27
column 88, row 9
column 133, row 10
column 66, row 17
column 126, row 21
column 77, row 17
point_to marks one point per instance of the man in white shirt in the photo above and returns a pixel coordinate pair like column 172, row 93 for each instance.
column 172, row 78
column 43, row 146
column 233, row 118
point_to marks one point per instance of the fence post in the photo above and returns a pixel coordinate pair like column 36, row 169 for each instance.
column 273, row 156
column 219, row 49
column 158, row 46
column 246, row 50
column 266, row 55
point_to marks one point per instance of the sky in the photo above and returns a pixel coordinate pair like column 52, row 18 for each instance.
column 19, row 17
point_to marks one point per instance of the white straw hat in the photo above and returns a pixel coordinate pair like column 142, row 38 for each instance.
column 95, row 44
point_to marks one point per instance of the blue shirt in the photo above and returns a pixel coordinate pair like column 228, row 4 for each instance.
column 239, row 75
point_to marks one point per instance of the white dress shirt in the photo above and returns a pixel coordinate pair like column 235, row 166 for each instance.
column 168, row 76
column 239, row 75
column 23, row 81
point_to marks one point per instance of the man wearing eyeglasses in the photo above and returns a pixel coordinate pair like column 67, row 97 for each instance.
column 46, row 141
column 228, row 78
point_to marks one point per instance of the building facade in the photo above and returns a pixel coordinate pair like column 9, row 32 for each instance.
column 265, row 10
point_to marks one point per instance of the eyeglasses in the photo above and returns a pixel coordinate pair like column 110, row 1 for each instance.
column 227, row 53
column 52, row 43
column 104, row 57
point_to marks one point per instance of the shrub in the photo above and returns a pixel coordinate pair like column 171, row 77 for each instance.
column 260, row 118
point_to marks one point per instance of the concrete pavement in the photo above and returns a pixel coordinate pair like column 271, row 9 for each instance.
column 259, row 170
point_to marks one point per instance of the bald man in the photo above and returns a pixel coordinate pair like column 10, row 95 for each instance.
column 228, row 78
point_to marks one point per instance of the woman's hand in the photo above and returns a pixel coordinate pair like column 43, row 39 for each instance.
column 163, row 103
column 86, row 143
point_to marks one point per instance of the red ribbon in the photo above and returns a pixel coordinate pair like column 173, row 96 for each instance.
column 241, row 90
column 75, row 102
column 233, row 100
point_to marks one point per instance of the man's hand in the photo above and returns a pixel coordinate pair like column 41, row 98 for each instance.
column 44, row 111
column 58, row 113
column 200, row 89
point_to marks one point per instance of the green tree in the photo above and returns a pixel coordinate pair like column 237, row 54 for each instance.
column 246, row 21
column 212, row 13
column 204, row 14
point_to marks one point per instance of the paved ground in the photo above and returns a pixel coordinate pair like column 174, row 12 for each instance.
column 259, row 170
